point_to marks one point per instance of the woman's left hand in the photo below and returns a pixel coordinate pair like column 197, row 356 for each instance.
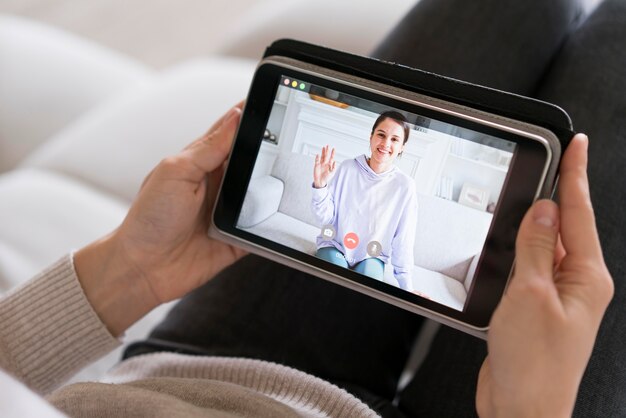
column 542, row 333
column 162, row 251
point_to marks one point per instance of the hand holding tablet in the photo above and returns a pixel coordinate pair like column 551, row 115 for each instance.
column 129, row 272
column 543, row 331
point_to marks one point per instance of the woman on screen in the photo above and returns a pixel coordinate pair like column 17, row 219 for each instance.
column 368, row 207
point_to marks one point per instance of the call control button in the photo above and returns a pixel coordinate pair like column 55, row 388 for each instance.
column 328, row 232
column 351, row 240
column 374, row 249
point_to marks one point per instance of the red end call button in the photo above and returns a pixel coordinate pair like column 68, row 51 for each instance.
column 351, row 240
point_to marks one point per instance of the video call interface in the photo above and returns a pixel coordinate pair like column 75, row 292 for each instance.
column 395, row 196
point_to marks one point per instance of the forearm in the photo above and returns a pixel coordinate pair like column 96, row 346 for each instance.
column 49, row 330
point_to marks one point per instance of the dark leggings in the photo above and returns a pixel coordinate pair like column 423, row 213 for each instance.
column 259, row 309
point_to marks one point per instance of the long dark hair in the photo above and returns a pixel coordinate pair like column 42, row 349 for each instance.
column 397, row 117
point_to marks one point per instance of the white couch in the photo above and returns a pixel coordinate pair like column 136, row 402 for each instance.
column 449, row 236
column 80, row 125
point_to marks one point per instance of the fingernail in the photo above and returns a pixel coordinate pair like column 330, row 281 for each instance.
column 231, row 114
column 582, row 138
column 545, row 213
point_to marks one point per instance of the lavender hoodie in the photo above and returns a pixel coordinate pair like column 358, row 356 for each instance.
column 377, row 207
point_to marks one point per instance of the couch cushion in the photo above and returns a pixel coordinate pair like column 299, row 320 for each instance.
column 45, row 215
column 439, row 287
column 261, row 201
column 296, row 172
column 48, row 78
column 344, row 25
column 434, row 285
column 448, row 235
column 289, row 231
column 114, row 146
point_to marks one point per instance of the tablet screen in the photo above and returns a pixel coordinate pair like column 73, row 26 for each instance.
column 401, row 198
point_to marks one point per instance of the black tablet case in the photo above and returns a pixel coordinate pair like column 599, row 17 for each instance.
column 490, row 100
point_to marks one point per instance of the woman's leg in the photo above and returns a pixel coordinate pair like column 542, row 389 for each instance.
column 503, row 44
column 588, row 80
column 332, row 255
column 371, row 267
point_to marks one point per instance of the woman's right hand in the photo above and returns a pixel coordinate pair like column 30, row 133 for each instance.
column 324, row 167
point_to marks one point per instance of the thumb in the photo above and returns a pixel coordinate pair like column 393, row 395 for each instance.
column 536, row 242
column 210, row 151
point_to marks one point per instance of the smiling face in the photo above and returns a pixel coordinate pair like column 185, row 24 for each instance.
column 386, row 142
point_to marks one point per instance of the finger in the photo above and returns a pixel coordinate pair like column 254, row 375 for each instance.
column 324, row 154
column 214, row 179
column 215, row 126
column 332, row 167
column 579, row 234
column 211, row 183
column 536, row 242
column 316, row 167
column 212, row 151
column 332, row 156
column 219, row 122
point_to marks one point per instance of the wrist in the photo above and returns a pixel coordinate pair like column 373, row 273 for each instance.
column 532, row 407
column 530, row 412
column 111, row 285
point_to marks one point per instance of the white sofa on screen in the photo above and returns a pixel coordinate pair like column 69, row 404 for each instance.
column 449, row 236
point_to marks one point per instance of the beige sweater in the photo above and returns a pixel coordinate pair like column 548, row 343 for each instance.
column 48, row 331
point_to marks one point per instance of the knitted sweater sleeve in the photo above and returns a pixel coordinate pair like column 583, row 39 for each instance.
column 48, row 329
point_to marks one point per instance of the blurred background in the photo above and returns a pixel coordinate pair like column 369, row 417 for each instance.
column 162, row 32
column 157, row 32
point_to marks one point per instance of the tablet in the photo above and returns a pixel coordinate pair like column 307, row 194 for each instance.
column 419, row 200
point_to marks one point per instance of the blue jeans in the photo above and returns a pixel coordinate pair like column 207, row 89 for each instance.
column 371, row 267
